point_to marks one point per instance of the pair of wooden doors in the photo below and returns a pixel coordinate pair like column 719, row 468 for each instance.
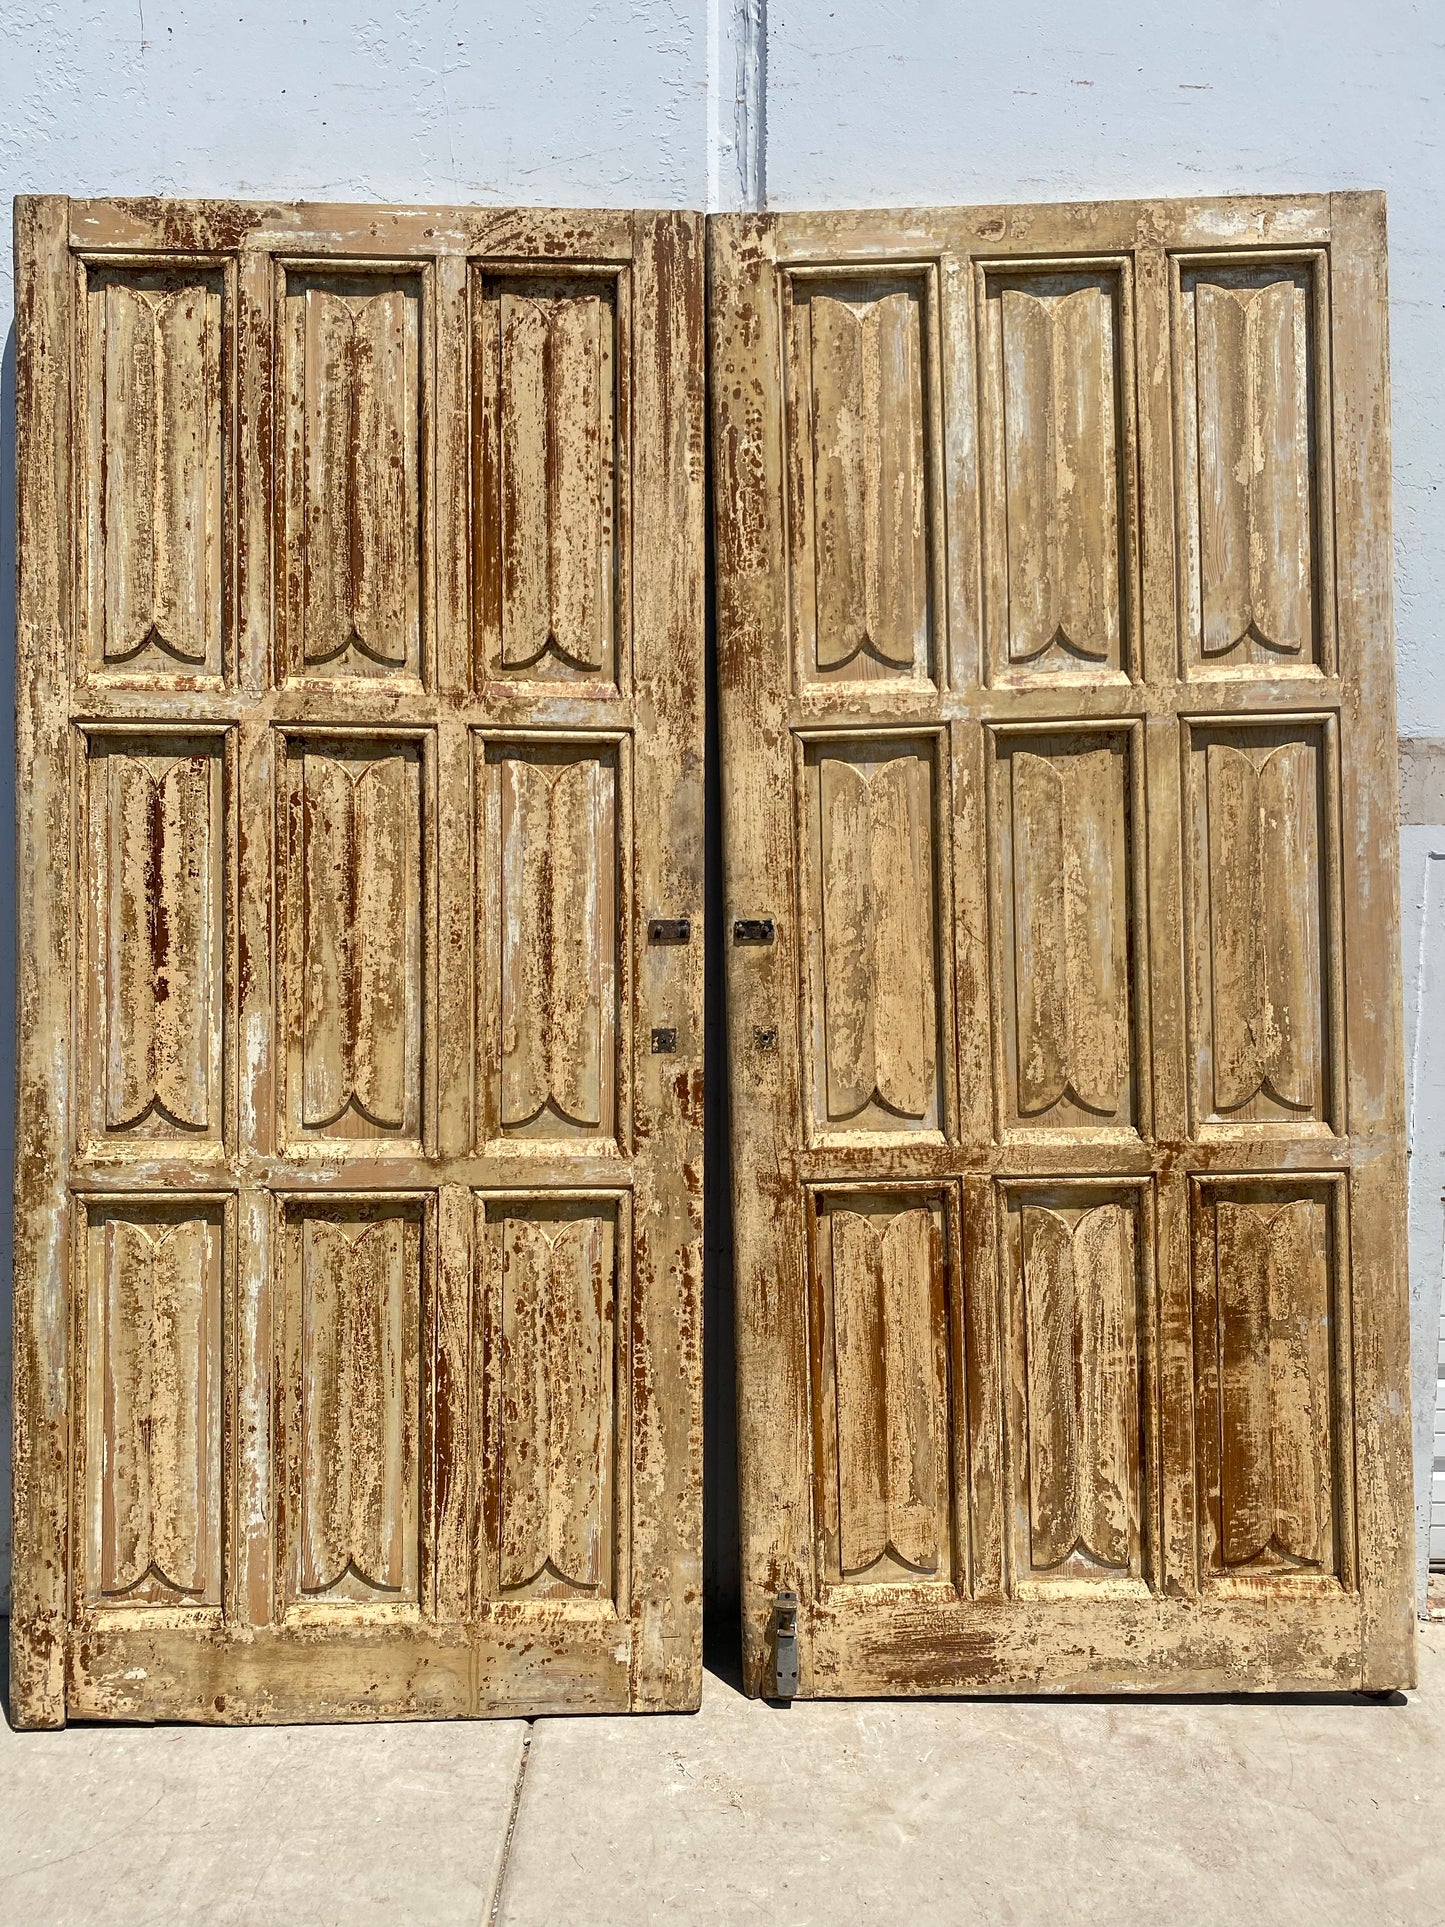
column 359, row 1156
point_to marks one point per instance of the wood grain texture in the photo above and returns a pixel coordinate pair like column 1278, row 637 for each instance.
column 358, row 1411
column 354, row 897
column 879, row 985
column 1060, row 464
column 881, row 1384
column 155, row 870
column 154, row 468
column 1249, row 391
column 1267, row 1382
column 1080, row 1297
column 154, row 1444
column 1159, row 866
column 556, row 478
column 1071, row 923
column 1261, row 930
column 261, row 964
column 861, row 462
column 353, row 439
column 556, row 1444
column 1058, row 449
column 548, row 831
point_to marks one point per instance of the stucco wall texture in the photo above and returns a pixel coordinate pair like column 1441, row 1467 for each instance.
column 708, row 103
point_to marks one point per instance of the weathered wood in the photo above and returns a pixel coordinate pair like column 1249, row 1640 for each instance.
column 358, row 1295
column 1151, row 442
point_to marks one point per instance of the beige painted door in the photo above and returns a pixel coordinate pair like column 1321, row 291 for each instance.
column 1057, row 709
column 359, row 1176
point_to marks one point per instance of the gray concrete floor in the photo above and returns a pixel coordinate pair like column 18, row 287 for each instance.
column 953, row 1812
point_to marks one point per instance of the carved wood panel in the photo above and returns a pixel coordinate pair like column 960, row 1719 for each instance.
column 1268, row 1311
column 1070, row 936
column 354, row 903
column 155, row 492
column 360, row 739
column 351, row 563
column 862, row 449
column 1058, row 414
column 881, row 1386
column 1264, row 974
column 1076, row 1270
column 154, row 1388
column 350, row 1527
column 547, row 899
column 156, row 938
column 549, row 519
column 1252, row 378
column 877, row 1044
column 555, row 1358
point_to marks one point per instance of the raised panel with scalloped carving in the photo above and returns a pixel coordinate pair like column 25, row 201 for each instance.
column 154, row 989
column 353, row 898
column 1065, row 907
column 351, row 567
column 352, row 1417
column 1075, row 1289
column 153, row 1426
column 877, row 1061
column 548, row 518
column 1267, row 1305
column 861, row 440
column 548, row 904
column 154, row 531
column 885, row 1449
column 548, row 1284
column 1254, row 539
column 1261, row 916
column 1059, row 452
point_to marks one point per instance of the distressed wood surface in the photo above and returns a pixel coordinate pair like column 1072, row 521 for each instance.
column 358, row 1229
column 1057, row 713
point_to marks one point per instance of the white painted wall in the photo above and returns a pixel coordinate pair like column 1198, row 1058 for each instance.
column 699, row 102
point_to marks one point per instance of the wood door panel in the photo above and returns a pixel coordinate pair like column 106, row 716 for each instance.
column 346, row 1388
column 552, row 451
column 1060, row 455
column 862, row 455
column 155, row 877
column 1072, row 876
column 352, row 435
column 1253, row 412
column 154, row 529
column 153, row 1377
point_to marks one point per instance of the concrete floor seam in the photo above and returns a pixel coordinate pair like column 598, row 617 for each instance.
column 490, row 1919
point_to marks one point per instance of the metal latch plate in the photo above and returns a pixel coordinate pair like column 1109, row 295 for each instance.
column 669, row 930
column 785, row 1646
column 753, row 930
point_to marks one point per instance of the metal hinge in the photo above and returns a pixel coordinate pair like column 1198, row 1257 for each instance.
column 669, row 930
column 785, row 1646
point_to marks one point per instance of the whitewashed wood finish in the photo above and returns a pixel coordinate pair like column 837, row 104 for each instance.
column 334, row 962
column 153, row 534
column 861, row 476
column 1160, row 915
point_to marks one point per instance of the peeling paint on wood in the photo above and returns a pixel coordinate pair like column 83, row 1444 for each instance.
column 1138, row 457
column 358, row 1231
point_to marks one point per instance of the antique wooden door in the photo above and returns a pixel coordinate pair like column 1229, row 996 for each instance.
column 358, row 1180
column 1058, row 725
